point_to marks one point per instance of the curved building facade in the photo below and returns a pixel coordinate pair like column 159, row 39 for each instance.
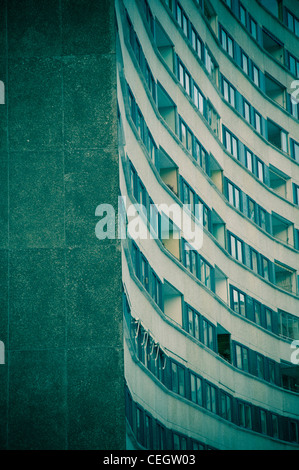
column 208, row 136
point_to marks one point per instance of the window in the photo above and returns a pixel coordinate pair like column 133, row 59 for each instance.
column 225, row 406
column 228, row 3
column 269, row 321
column 248, row 159
column 151, row 147
column 262, row 218
column 257, row 311
column 154, row 218
column 179, row 442
column 205, row 273
column 293, row 430
column 190, row 259
column 271, row 365
column 227, row 42
column 236, row 247
column 254, row 260
column 131, row 105
column 255, row 75
column 242, row 14
column 260, row 366
column 289, row 325
column 253, row 27
column 293, row 64
column 238, row 301
column 229, row 92
column 295, row 150
column 196, row 43
column 258, row 122
column 161, row 437
column 177, row 379
column 244, row 412
column 265, row 268
column 252, row 209
column 144, row 272
column 198, row 98
column 296, row 194
column 242, row 357
column 196, row 389
column 263, row 421
column 185, row 136
column 246, row 111
column 210, row 64
column 244, row 62
column 193, row 320
column 292, row 22
column 275, row 428
column 213, row 117
column 156, row 289
column 182, row 19
column 184, row 78
column 231, row 143
column 208, row 334
column 148, row 436
column 234, row 195
column 211, row 398
column 260, row 169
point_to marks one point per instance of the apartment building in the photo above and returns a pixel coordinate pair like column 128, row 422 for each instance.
column 208, row 122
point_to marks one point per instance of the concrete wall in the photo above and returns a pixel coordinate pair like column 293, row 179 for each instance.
column 62, row 384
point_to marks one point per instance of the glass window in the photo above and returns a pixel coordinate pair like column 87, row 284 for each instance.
column 242, row 357
column 198, row 98
column 236, row 248
column 258, row 122
column 269, row 325
column 253, row 27
column 260, row 366
column 256, row 75
column 245, row 419
column 295, row 150
column 251, row 209
column 249, row 158
column 244, row 62
column 263, row 416
column 242, row 15
column 211, row 398
column 257, row 307
column 247, row 111
column 266, row 268
column 262, row 218
column 254, row 260
column 260, row 170
column 275, row 431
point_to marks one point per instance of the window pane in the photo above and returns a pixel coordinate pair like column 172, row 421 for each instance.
column 239, row 252
column 196, row 326
column 241, row 414
column 243, row 15
column 236, row 301
column 245, row 359
column 249, row 160
column 234, row 147
column 242, row 305
column 199, row 391
column 225, row 90
column 228, row 141
column 238, row 357
column 181, row 381
column 263, row 422
column 245, row 63
column 247, row 111
column 190, row 321
column 174, row 377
